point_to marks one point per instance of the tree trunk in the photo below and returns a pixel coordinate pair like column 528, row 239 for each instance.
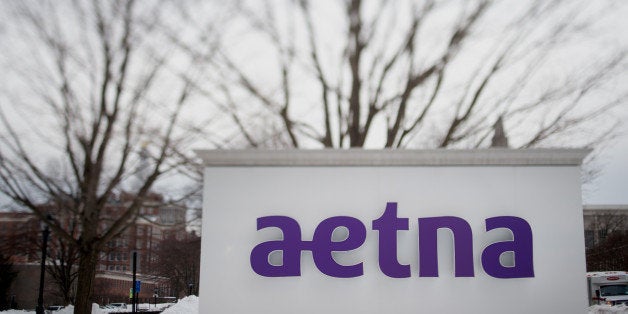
column 85, row 283
column 66, row 290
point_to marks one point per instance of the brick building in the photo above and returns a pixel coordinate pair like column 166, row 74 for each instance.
column 602, row 220
column 18, row 234
column 606, row 237
column 20, row 238
column 157, row 221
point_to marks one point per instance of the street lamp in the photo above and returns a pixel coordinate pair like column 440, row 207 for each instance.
column 44, row 247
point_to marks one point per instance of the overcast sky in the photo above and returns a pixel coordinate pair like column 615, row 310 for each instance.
column 611, row 187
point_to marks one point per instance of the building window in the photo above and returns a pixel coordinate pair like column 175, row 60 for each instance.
column 589, row 238
column 111, row 267
column 167, row 216
column 112, row 256
column 601, row 234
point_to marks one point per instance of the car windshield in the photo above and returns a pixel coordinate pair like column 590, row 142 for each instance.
column 614, row 290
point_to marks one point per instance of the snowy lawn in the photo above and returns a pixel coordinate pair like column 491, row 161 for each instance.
column 603, row 309
column 189, row 305
column 185, row 305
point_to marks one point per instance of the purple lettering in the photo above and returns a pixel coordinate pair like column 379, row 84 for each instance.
column 463, row 245
column 387, row 225
column 290, row 247
column 322, row 246
column 521, row 246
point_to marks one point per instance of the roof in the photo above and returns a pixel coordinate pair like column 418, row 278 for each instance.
column 606, row 207
column 16, row 216
column 388, row 157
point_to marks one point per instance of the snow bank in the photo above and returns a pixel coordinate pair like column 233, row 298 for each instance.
column 186, row 305
column 66, row 310
column 604, row 309
column 189, row 305
column 70, row 310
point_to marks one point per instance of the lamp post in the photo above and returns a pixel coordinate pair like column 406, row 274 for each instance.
column 155, row 295
column 44, row 247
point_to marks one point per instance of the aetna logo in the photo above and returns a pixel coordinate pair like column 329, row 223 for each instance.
column 387, row 226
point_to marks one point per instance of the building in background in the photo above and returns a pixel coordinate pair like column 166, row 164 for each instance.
column 606, row 237
column 158, row 221
column 20, row 235
column 20, row 238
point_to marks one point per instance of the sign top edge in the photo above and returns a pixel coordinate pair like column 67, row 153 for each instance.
column 389, row 157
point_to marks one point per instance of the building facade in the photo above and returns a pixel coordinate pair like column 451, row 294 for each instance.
column 602, row 220
column 606, row 237
column 20, row 239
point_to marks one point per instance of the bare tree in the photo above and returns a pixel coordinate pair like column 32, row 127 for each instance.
column 609, row 221
column 24, row 243
column 424, row 73
column 63, row 269
column 606, row 238
column 610, row 254
column 179, row 261
column 7, row 275
column 92, row 107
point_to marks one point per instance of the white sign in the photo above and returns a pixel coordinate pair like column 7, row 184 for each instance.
column 481, row 231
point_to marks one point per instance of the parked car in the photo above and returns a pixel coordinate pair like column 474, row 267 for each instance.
column 120, row 306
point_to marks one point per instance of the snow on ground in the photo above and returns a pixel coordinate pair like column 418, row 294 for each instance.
column 128, row 308
column 67, row 310
column 604, row 309
column 70, row 310
column 187, row 305
column 97, row 310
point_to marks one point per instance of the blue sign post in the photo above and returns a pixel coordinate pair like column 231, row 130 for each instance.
column 135, row 285
column 138, row 284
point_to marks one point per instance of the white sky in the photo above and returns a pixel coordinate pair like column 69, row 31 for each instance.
column 611, row 187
